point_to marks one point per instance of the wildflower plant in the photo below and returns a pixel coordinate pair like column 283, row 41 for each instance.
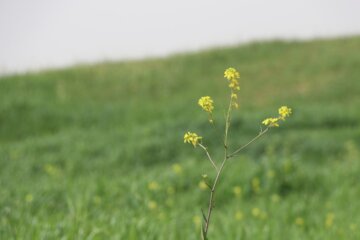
column 207, row 104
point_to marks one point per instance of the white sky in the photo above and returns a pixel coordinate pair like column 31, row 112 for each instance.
column 36, row 34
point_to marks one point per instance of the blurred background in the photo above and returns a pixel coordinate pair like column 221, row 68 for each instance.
column 95, row 98
column 41, row 34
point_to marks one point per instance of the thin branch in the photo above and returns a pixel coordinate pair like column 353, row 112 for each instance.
column 262, row 132
column 211, row 200
column 208, row 155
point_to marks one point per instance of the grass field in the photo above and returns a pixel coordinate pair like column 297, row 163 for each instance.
column 97, row 152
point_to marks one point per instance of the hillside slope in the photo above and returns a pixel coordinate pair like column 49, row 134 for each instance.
column 79, row 146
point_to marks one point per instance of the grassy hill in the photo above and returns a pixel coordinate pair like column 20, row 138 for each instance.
column 80, row 146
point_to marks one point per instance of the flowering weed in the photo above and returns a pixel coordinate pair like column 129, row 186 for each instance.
column 207, row 104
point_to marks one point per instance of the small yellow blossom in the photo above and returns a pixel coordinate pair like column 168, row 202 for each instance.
column 235, row 104
column 177, row 169
column 271, row 122
column 197, row 221
column 232, row 76
column 29, row 198
column 206, row 103
column 237, row 191
column 192, row 138
column 255, row 183
column 287, row 166
column 153, row 186
column 234, row 85
column 329, row 220
column 299, row 221
column 231, row 73
column 275, row 198
column 284, row 112
column 152, row 205
column 203, row 185
column 239, row 215
column 51, row 170
column 256, row 212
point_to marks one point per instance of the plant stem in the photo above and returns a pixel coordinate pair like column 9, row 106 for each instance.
column 212, row 193
column 208, row 155
column 211, row 200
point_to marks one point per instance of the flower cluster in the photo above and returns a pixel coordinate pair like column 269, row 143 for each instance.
column 192, row 138
column 271, row 122
column 232, row 75
column 284, row 112
column 207, row 104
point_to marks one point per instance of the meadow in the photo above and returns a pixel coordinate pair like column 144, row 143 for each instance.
column 97, row 152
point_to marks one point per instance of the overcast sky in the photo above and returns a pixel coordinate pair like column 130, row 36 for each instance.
column 53, row 33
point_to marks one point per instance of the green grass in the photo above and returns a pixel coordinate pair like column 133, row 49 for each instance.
column 79, row 146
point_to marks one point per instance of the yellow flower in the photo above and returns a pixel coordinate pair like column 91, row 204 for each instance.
column 275, row 198
column 203, row 185
column 329, row 220
column 197, row 221
column 255, row 183
column 29, row 198
column 152, row 205
column 231, row 73
column 256, row 212
column 237, row 191
column 192, row 138
column 51, row 170
column 284, row 112
column 271, row 122
column 239, row 215
column 235, row 104
column 153, row 186
column 299, row 221
column 232, row 76
column 177, row 169
column 206, row 103
column 234, row 84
